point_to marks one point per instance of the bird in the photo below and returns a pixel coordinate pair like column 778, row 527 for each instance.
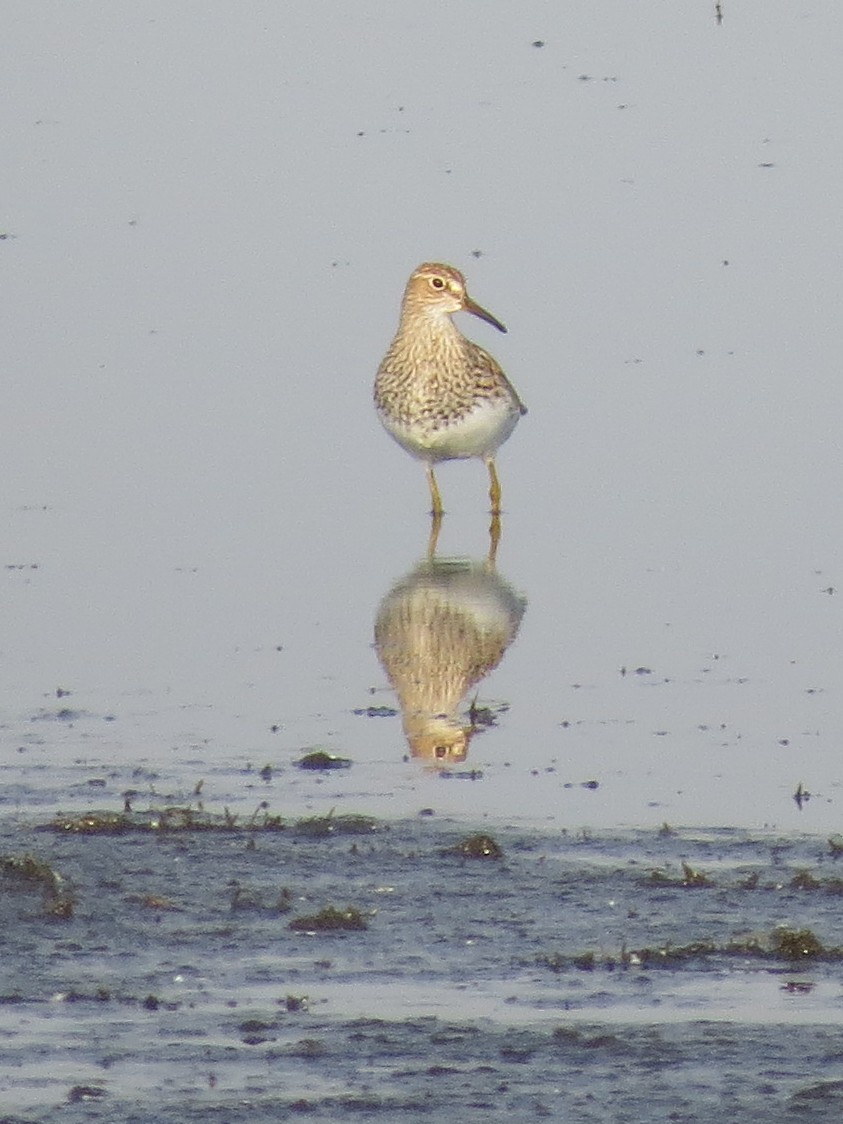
column 439, row 631
column 437, row 393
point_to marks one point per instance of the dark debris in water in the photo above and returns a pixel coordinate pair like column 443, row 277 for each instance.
column 689, row 879
column 81, row 1093
column 320, row 827
column 187, row 819
column 782, row 944
column 64, row 714
column 801, row 944
column 245, row 899
column 484, row 717
column 29, row 869
column 178, row 819
column 805, row 880
column 320, row 759
column 28, row 872
column 376, row 712
column 329, row 920
column 460, row 774
column 476, row 847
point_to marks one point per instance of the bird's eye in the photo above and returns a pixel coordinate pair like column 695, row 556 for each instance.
column 437, row 283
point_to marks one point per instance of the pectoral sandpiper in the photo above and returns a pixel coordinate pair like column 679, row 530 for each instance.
column 438, row 632
column 441, row 396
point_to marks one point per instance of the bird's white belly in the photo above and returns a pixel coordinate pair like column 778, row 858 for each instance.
column 476, row 434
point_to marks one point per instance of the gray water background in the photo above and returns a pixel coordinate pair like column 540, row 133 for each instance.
column 208, row 215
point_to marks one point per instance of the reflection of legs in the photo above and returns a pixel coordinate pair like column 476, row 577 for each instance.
column 494, row 487
column 494, row 538
column 436, row 499
column 435, row 526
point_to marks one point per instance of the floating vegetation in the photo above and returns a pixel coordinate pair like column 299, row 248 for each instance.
column 308, row 1048
column 96, row 823
column 246, row 900
column 477, row 847
column 460, row 774
column 27, row 871
column 320, row 759
column 65, row 714
column 586, row 962
column 669, row 955
column 329, row 920
column 689, row 879
column 187, row 819
column 320, row 827
column 254, row 1032
column 782, row 944
column 81, row 1093
column 801, row 796
column 161, row 821
column 798, row 944
column 804, row 880
column 156, row 902
column 694, row 878
column 483, row 717
column 26, row 868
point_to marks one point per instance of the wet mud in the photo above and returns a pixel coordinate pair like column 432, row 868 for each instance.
column 180, row 965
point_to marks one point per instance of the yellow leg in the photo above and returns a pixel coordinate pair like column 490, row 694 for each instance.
column 494, row 487
column 435, row 498
column 435, row 527
column 494, row 539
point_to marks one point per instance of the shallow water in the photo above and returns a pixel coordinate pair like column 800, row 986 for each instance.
column 602, row 975
column 214, row 563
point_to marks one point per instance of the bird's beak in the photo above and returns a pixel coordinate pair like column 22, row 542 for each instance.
column 476, row 310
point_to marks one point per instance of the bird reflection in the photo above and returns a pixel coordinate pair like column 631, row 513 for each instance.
column 438, row 632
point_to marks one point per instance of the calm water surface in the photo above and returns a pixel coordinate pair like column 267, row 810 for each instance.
column 213, row 560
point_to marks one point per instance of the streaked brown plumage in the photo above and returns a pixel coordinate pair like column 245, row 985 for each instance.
column 438, row 632
column 437, row 393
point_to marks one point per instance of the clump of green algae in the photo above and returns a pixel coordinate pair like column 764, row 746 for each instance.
column 330, row 919
column 27, row 870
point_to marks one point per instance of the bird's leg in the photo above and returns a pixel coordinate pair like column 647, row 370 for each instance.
column 435, row 527
column 435, row 498
column 494, row 539
column 494, row 487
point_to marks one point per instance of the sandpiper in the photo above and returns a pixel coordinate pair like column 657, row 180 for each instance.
column 441, row 396
column 438, row 632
